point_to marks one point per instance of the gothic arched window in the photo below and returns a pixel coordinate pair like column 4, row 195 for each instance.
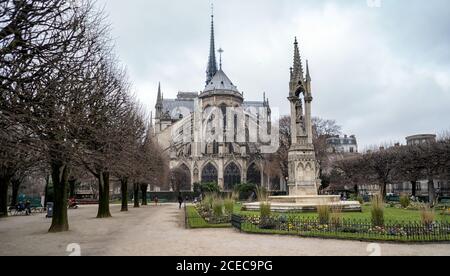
column 223, row 108
column 209, row 174
column 215, row 147
column 232, row 176
column 185, row 184
column 254, row 175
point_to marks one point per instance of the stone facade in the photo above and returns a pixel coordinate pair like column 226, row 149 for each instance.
column 345, row 144
column 209, row 134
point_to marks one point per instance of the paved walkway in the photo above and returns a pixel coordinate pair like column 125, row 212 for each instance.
column 160, row 231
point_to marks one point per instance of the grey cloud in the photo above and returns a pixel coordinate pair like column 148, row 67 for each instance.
column 382, row 73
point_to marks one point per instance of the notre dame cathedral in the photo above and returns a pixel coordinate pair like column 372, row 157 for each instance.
column 215, row 135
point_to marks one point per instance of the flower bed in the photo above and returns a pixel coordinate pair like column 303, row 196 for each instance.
column 357, row 229
column 209, row 217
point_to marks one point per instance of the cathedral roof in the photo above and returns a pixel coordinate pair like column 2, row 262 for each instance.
column 220, row 85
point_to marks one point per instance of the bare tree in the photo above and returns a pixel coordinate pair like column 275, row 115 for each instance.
column 349, row 170
column 410, row 168
column 46, row 47
column 129, row 151
column 322, row 130
column 177, row 178
column 380, row 166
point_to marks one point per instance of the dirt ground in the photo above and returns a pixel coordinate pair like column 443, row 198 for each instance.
column 159, row 231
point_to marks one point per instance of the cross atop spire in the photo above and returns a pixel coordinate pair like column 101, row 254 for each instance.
column 220, row 53
column 211, row 70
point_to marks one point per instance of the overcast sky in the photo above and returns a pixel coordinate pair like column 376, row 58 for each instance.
column 383, row 73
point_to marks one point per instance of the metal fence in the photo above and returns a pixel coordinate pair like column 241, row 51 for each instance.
column 344, row 229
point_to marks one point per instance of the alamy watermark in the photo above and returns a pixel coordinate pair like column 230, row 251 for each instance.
column 74, row 250
column 374, row 249
column 374, row 3
column 211, row 124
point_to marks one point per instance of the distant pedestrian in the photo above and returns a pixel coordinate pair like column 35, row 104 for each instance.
column 156, row 201
column 28, row 208
column 180, row 200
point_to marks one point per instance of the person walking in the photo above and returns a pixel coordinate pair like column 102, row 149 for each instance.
column 180, row 200
column 156, row 201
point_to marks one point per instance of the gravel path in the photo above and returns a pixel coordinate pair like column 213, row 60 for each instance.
column 159, row 231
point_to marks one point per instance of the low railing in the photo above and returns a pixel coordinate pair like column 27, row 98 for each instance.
column 344, row 229
column 195, row 220
column 236, row 221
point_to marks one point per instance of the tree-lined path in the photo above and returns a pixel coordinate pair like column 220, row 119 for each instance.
column 160, row 231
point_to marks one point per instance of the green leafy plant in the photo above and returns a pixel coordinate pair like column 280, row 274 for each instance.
column 245, row 190
column 265, row 209
column 229, row 205
column 211, row 187
column 405, row 201
column 360, row 199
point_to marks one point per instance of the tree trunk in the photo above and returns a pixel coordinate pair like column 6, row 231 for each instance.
column 136, row 195
column 72, row 183
column 4, row 184
column 356, row 190
column 144, row 194
column 414, row 188
column 431, row 192
column 15, row 191
column 383, row 190
column 60, row 177
column 124, row 192
column 47, row 183
column 103, row 199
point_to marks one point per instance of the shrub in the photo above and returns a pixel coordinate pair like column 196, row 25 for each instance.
column 209, row 187
column 265, row 209
column 323, row 211
column 360, row 199
column 229, row 206
column 245, row 190
column 377, row 211
column 416, row 206
column 218, row 208
column 405, row 201
column 197, row 188
column 209, row 200
column 336, row 216
column 428, row 216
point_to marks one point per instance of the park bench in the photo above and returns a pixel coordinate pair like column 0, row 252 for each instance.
column 445, row 200
column 17, row 211
column 36, row 206
column 393, row 198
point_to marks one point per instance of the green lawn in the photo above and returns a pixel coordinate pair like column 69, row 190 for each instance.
column 197, row 221
column 391, row 214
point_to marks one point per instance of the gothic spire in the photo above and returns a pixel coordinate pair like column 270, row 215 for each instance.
column 159, row 93
column 211, row 70
column 159, row 103
column 298, row 67
column 308, row 76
